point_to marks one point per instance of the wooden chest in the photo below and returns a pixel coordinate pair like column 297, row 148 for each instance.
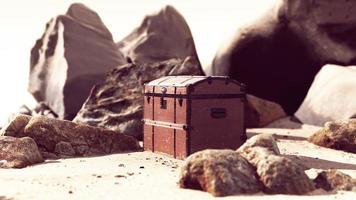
column 186, row 114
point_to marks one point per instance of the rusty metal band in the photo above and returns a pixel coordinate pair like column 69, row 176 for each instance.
column 198, row 96
column 165, row 124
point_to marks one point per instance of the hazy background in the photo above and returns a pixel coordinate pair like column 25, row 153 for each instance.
column 22, row 22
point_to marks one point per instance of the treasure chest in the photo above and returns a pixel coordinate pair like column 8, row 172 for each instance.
column 186, row 114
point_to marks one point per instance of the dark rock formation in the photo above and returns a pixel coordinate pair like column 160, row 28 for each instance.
column 75, row 52
column 331, row 96
column 259, row 112
column 18, row 152
column 333, row 180
column 278, row 56
column 117, row 104
column 60, row 138
column 161, row 36
column 337, row 135
column 219, row 172
column 278, row 174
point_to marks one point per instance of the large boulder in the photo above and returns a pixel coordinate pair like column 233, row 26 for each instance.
column 278, row 56
column 161, row 36
column 340, row 135
column 18, row 152
column 75, row 52
column 219, row 172
column 117, row 103
column 60, row 138
column 331, row 96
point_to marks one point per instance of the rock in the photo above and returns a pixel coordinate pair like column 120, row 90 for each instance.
column 16, row 124
column 266, row 141
column 64, row 149
column 282, row 175
column 161, row 36
column 333, row 180
column 117, row 104
column 339, row 135
column 278, row 174
column 75, row 52
column 18, row 152
column 65, row 138
column 278, row 56
column 219, row 172
column 259, row 112
column 331, row 96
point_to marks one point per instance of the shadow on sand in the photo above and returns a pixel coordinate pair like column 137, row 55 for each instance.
column 318, row 163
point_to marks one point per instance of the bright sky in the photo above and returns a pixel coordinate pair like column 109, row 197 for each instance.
column 22, row 22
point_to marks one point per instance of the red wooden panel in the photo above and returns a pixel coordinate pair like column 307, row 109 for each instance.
column 181, row 144
column 164, row 140
column 216, row 131
column 148, row 137
column 148, row 103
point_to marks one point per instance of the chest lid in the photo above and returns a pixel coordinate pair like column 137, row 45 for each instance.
column 195, row 85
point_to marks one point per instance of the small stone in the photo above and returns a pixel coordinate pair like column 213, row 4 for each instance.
column 340, row 135
column 142, row 167
column 70, row 192
column 99, row 176
column 121, row 165
column 219, row 172
column 120, row 176
column 130, row 173
column 333, row 180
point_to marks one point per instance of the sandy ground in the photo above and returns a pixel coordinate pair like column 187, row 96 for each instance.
column 153, row 176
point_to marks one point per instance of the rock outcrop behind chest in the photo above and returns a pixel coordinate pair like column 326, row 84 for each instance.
column 331, row 97
column 75, row 52
column 278, row 56
column 117, row 103
column 160, row 36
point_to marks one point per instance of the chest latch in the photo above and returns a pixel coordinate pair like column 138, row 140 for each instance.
column 163, row 102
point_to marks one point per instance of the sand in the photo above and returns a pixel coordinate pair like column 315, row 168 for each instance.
column 145, row 175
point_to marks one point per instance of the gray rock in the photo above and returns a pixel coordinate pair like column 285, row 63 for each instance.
column 117, row 103
column 331, row 96
column 161, row 36
column 18, row 152
column 278, row 56
column 278, row 174
column 75, row 52
column 334, row 180
column 339, row 135
column 59, row 137
column 260, row 112
column 219, row 172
